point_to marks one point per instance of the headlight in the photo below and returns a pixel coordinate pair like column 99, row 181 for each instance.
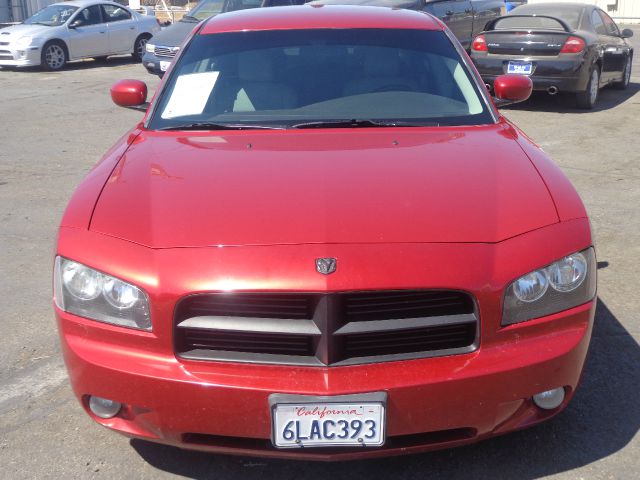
column 567, row 283
column 149, row 47
column 24, row 41
column 92, row 294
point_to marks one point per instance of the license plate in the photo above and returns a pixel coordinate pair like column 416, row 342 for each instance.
column 164, row 66
column 523, row 68
column 325, row 424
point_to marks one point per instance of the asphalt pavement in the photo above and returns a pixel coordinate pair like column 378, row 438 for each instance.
column 55, row 126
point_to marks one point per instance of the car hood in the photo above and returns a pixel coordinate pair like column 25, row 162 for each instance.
column 174, row 35
column 15, row 32
column 454, row 184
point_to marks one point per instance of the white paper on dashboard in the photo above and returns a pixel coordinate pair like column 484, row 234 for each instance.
column 190, row 94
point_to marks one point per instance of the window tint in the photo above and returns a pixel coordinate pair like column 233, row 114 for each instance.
column 609, row 24
column 597, row 23
column 206, row 8
column 90, row 16
column 526, row 23
column 115, row 14
column 52, row 16
column 571, row 14
column 295, row 76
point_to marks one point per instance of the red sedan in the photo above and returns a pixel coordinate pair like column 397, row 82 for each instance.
column 324, row 242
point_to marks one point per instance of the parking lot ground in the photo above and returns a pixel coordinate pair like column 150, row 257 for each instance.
column 57, row 125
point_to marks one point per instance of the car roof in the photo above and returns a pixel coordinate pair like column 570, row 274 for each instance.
column 319, row 16
column 85, row 3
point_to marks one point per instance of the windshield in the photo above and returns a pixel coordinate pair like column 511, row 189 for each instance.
column 569, row 13
column 527, row 23
column 285, row 78
column 205, row 9
column 52, row 16
column 208, row 8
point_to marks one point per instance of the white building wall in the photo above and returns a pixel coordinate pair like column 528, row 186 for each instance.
column 622, row 11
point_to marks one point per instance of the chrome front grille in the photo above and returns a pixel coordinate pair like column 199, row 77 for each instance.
column 325, row 329
column 170, row 52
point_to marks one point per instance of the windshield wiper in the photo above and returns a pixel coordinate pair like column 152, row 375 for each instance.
column 219, row 126
column 190, row 18
column 356, row 123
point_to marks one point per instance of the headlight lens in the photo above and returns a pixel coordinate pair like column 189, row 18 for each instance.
column 531, row 287
column 92, row 294
column 150, row 47
column 566, row 283
column 568, row 274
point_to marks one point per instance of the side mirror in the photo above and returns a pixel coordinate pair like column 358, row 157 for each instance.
column 75, row 24
column 627, row 33
column 511, row 88
column 130, row 94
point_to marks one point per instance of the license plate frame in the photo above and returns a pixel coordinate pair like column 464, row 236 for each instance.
column 164, row 65
column 520, row 67
column 322, row 410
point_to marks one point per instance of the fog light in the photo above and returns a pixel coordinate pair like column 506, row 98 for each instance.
column 103, row 407
column 550, row 399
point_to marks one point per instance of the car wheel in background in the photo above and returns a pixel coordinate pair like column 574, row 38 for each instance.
column 54, row 56
column 626, row 75
column 139, row 46
column 587, row 99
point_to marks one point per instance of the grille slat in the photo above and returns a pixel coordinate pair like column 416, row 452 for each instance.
column 350, row 328
column 166, row 51
column 243, row 342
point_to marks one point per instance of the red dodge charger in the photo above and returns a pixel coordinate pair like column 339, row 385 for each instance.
column 324, row 242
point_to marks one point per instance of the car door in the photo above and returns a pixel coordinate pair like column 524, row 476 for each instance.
column 88, row 33
column 616, row 49
column 603, row 45
column 121, row 28
column 457, row 14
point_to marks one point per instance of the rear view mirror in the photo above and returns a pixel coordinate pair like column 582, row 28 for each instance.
column 511, row 88
column 130, row 94
column 627, row 33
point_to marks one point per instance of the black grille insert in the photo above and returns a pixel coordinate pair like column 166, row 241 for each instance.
column 323, row 329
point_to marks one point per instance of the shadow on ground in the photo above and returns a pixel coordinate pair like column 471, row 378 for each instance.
column 115, row 61
column 602, row 418
column 565, row 103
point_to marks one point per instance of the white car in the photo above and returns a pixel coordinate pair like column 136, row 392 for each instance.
column 73, row 30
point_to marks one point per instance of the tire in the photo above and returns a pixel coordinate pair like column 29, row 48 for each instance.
column 54, row 56
column 587, row 99
column 626, row 75
column 139, row 47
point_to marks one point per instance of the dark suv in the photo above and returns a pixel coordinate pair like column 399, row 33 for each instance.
column 165, row 45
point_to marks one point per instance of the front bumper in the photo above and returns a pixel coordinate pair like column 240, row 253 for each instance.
column 154, row 63
column 224, row 406
column 19, row 57
column 568, row 74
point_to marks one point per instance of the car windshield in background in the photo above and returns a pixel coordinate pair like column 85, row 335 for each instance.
column 570, row 14
column 52, row 16
column 205, row 9
column 527, row 23
column 315, row 77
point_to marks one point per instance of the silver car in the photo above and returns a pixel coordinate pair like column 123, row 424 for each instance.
column 73, row 30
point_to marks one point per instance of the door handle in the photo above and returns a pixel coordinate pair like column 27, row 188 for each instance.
column 132, row 28
column 103, row 31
